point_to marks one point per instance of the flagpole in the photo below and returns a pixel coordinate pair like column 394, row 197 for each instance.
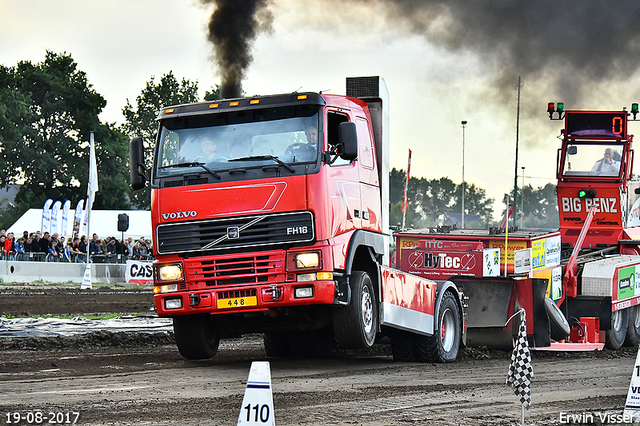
column 92, row 188
column 89, row 198
column 406, row 185
column 506, row 240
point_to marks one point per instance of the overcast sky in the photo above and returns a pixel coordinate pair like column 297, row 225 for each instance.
column 443, row 62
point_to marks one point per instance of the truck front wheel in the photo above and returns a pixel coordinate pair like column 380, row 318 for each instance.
column 444, row 344
column 355, row 326
column 196, row 336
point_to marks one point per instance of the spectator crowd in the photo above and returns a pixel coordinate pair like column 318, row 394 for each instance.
column 37, row 246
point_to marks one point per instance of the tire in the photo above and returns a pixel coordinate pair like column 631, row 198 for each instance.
column 276, row 345
column 559, row 326
column 402, row 346
column 444, row 344
column 618, row 332
column 355, row 326
column 196, row 336
column 312, row 344
column 633, row 327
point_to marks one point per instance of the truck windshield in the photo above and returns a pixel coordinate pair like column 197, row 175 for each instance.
column 592, row 159
column 238, row 139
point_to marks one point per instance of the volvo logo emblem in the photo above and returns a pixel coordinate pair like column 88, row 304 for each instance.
column 233, row 232
column 179, row 215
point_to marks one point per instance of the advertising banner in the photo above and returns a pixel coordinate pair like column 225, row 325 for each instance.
column 65, row 217
column 439, row 260
column 139, row 272
column 46, row 216
column 522, row 260
column 54, row 217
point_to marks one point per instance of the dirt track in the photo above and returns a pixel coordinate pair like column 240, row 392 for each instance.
column 141, row 379
column 29, row 300
column 128, row 378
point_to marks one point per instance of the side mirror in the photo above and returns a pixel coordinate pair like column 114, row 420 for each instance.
column 572, row 150
column 136, row 164
column 348, row 141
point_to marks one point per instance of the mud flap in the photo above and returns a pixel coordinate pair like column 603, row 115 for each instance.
column 541, row 326
column 488, row 302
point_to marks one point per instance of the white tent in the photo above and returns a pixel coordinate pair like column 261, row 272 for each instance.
column 103, row 222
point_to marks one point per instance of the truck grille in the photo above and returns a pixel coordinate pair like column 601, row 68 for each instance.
column 236, row 270
column 262, row 232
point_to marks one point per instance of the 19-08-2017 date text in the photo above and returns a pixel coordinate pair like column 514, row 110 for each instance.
column 40, row 417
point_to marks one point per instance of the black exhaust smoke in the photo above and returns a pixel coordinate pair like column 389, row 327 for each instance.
column 233, row 26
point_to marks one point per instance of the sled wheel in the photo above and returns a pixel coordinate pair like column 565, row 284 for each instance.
column 618, row 331
column 444, row 344
column 633, row 328
column 559, row 326
column 196, row 336
column 355, row 326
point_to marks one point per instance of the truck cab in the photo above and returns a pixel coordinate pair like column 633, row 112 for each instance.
column 595, row 169
column 270, row 215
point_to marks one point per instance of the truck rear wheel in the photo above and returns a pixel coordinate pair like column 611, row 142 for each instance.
column 355, row 326
column 618, row 331
column 444, row 344
column 196, row 336
column 633, row 328
column 276, row 344
column 402, row 345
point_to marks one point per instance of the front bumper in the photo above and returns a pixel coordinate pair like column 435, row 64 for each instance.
column 240, row 299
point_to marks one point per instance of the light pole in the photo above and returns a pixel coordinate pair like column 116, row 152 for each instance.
column 464, row 125
column 522, row 196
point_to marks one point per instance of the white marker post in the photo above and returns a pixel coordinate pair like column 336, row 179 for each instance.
column 86, row 278
column 257, row 404
column 632, row 407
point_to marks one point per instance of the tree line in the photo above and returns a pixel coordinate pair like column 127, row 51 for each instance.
column 430, row 202
column 48, row 109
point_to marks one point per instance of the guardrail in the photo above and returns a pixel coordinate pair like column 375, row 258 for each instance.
column 60, row 272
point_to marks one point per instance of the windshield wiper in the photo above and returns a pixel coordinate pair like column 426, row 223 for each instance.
column 193, row 164
column 265, row 157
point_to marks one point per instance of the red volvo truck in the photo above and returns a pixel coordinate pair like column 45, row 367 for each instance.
column 270, row 215
column 578, row 285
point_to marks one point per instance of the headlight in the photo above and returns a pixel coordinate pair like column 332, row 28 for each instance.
column 172, row 303
column 167, row 288
column 304, row 260
column 303, row 292
column 170, row 272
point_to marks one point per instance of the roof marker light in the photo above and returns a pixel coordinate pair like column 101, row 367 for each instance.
column 236, row 103
column 551, row 108
column 254, row 101
column 169, row 111
column 301, row 97
column 214, row 105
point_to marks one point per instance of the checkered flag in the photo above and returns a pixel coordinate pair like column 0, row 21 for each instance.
column 521, row 370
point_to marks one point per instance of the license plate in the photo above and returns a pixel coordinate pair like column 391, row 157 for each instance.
column 237, row 302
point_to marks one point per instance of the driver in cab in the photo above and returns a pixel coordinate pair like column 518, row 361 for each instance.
column 210, row 149
column 304, row 151
column 607, row 165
